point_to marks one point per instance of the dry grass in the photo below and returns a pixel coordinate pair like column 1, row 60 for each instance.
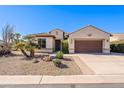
column 18, row 65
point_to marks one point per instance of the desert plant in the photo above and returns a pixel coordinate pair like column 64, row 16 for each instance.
column 59, row 55
column 57, row 62
column 26, row 44
column 21, row 46
column 30, row 44
column 65, row 46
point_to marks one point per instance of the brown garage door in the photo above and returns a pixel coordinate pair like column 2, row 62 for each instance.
column 88, row 46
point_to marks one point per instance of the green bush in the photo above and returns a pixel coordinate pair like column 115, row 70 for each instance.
column 56, row 62
column 117, row 48
column 113, row 47
column 65, row 46
column 59, row 55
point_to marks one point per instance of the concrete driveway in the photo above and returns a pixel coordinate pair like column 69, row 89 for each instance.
column 101, row 64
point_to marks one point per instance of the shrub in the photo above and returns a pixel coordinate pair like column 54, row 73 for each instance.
column 65, row 46
column 4, row 52
column 56, row 62
column 117, row 48
column 1, row 52
column 113, row 48
column 59, row 55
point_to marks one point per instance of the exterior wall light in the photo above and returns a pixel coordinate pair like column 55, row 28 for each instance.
column 71, row 41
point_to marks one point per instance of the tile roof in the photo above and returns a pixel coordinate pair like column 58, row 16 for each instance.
column 120, row 36
column 43, row 35
column 93, row 27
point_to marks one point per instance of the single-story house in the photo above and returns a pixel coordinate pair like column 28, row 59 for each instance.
column 116, row 37
column 85, row 40
column 50, row 42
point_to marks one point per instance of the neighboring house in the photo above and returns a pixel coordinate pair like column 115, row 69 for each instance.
column 85, row 40
column 116, row 37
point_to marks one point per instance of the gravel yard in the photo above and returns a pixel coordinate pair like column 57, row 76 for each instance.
column 18, row 65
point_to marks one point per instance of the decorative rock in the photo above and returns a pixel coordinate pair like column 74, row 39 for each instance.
column 47, row 58
column 44, row 55
column 36, row 60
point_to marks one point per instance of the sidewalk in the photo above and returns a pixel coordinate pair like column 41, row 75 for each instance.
column 63, row 81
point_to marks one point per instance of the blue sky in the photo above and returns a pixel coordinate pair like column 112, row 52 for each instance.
column 38, row 19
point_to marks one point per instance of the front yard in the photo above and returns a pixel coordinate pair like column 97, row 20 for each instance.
column 18, row 65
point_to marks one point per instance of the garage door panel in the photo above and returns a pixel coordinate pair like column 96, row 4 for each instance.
column 88, row 46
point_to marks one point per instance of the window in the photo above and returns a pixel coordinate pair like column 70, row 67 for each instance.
column 42, row 43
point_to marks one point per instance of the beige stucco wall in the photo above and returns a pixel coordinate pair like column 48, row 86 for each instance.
column 50, row 41
column 58, row 36
column 83, row 34
column 116, row 37
column 113, row 39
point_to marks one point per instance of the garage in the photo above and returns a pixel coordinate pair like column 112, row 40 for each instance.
column 88, row 46
column 89, row 39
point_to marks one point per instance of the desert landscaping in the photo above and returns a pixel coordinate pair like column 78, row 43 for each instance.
column 19, row 65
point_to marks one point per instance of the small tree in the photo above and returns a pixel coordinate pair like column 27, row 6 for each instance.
column 21, row 46
column 8, row 35
column 27, row 44
column 30, row 44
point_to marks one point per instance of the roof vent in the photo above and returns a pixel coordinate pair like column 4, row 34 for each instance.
column 89, row 34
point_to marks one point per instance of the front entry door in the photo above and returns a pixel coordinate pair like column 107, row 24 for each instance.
column 57, row 45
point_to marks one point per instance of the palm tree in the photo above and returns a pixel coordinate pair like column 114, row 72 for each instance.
column 17, row 37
